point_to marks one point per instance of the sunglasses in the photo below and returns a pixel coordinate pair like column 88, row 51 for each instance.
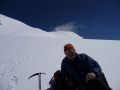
column 69, row 50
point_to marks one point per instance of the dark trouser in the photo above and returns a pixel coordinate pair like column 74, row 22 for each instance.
column 98, row 84
column 49, row 89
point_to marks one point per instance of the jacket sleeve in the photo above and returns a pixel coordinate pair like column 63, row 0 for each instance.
column 92, row 65
column 63, row 69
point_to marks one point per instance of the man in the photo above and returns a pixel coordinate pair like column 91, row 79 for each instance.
column 82, row 71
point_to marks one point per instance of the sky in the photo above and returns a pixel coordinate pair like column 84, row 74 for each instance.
column 25, row 50
column 91, row 19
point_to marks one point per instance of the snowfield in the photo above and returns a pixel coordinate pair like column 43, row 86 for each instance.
column 25, row 50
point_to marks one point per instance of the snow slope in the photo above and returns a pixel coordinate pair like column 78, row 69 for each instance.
column 25, row 50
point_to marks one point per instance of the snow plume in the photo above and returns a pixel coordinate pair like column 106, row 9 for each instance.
column 0, row 20
column 70, row 26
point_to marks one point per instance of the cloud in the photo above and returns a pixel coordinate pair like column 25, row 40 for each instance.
column 70, row 26
column 0, row 19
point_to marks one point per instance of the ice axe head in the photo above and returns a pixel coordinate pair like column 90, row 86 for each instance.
column 35, row 74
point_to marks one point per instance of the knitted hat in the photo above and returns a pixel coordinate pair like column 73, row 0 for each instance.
column 68, row 46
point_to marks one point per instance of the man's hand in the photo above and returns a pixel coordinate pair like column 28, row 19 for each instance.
column 90, row 76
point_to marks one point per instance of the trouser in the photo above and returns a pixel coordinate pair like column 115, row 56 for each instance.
column 99, row 83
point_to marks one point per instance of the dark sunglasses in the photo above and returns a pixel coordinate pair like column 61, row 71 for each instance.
column 69, row 50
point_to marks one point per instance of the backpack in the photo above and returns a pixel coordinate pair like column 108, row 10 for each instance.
column 57, row 82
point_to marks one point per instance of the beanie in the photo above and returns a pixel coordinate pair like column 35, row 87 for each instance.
column 68, row 46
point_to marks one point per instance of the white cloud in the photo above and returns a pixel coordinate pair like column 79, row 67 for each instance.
column 0, row 20
column 70, row 26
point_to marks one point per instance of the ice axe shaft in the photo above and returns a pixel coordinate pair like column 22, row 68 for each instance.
column 39, row 78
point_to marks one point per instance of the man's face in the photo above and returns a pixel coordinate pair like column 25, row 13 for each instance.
column 70, row 53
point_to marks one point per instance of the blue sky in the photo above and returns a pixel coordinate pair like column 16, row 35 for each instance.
column 91, row 19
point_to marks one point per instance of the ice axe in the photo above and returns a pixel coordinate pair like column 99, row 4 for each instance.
column 39, row 78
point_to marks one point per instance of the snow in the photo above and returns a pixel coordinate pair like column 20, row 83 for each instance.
column 25, row 50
